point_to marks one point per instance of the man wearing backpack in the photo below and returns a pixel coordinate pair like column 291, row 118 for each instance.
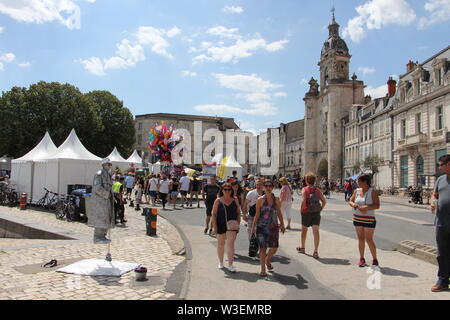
column 313, row 202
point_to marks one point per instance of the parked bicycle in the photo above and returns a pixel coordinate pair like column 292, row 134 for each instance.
column 49, row 200
column 65, row 208
column 9, row 196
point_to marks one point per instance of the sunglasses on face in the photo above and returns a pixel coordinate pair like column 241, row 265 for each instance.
column 227, row 189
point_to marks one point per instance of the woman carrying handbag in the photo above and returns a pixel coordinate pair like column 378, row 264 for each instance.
column 226, row 220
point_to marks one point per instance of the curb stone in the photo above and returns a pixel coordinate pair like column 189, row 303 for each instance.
column 419, row 250
column 188, row 256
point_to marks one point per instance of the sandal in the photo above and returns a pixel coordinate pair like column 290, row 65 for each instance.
column 316, row 255
column 52, row 263
column 262, row 275
column 301, row 250
column 269, row 266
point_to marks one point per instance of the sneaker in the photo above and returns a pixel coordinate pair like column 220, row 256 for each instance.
column 206, row 230
column 210, row 232
column 220, row 266
column 362, row 262
column 375, row 262
column 232, row 269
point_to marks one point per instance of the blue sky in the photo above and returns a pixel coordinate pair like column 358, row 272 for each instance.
column 246, row 59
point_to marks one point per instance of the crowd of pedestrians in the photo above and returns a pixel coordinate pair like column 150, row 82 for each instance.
column 265, row 214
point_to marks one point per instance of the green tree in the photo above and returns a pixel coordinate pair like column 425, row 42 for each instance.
column 98, row 118
column 357, row 167
column 117, row 124
column 373, row 163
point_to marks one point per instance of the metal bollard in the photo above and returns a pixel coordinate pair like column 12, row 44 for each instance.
column 151, row 216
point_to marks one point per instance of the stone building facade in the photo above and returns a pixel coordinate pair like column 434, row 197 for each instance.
column 421, row 117
column 367, row 134
column 292, row 140
column 326, row 104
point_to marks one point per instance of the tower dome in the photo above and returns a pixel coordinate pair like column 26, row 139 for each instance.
column 334, row 41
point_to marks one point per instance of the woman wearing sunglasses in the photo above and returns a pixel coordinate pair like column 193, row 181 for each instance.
column 226, row 208
column 266, row 227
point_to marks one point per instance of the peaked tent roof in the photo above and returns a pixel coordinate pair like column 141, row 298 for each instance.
column 231, row 162
column 72, row 148
column 41, row 151
column 135, row 158
column 115, row 156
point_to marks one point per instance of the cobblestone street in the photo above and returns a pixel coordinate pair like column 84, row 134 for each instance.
column 23, row 278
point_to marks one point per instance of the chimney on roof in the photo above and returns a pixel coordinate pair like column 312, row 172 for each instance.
column 392, row 87
column 410, row 66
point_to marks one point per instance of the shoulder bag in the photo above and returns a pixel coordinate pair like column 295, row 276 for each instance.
column 232, row 225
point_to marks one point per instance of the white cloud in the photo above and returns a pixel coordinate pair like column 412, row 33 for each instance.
column 377, row 92
column 224, row 32
column 154, row 38
column 187, row 73
column 439, row 11
column 115, row 63
column 94, row 65
column 40, row 11
column 231, row 46
column 131, row 52
column 233, row 9
column 254, row 91
column 245, row 83
column 277, row 45
column 8, row 57
column 366, row 70
column 24, row 64
column 376, row 14
column 280, row 94
column 2, row 29
column 173, row 32
column 240, row 50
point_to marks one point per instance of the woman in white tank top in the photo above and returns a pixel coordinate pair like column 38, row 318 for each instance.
column 364, row 203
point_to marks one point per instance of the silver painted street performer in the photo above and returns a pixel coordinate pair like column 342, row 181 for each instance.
column 101, row 213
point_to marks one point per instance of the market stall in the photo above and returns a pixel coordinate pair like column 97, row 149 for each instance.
column 118, row 161
column 22, row 169
column 70, row 164
column 226, row 166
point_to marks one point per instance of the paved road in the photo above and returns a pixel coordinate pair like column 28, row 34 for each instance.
column 292, row 279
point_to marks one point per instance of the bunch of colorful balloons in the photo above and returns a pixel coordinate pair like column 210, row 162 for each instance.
column 162, row 140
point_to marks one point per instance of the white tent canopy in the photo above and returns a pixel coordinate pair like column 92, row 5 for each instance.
column 41, row 151
column 72, row 148
column 230, row 165
column 135, row 158
column 118, row 161
column 22, row 168
column 71, row 163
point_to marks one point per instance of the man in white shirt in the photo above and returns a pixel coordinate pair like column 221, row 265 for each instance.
column 129, row 181
column 185, row 186
column 153, row 189
column 164, row 190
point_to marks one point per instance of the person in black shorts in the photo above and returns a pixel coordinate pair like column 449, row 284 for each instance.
column 210, row 192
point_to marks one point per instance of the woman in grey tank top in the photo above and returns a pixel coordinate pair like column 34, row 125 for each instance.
column 364, row 203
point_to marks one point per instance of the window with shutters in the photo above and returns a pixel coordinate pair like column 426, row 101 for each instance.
column 418, row 123
column 403, row 129
column 439, row 118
